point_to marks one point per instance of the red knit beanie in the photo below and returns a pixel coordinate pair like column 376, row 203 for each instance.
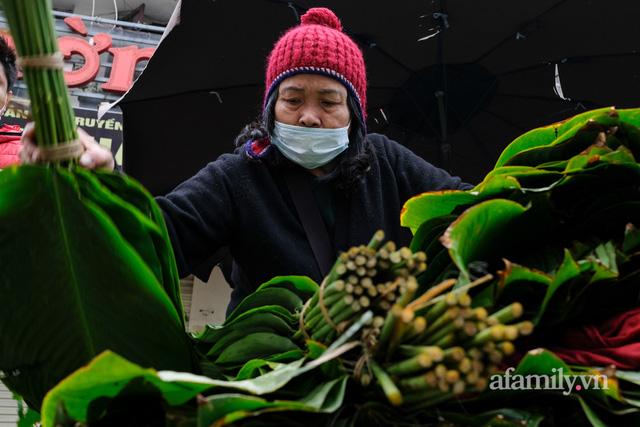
column 318, row 46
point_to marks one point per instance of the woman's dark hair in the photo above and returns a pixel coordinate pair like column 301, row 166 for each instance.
column 354, row 162
column 8, row 61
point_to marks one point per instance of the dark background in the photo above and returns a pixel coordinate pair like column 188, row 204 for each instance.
column 493, row 63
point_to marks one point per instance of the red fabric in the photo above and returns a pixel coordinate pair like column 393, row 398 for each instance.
column 615, row 342
column 10, row 145
column 319, row 45
column 259, row 146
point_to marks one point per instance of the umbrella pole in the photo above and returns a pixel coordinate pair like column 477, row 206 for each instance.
column 445, row 147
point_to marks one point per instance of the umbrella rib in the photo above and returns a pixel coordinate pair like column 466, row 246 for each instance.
column 476, row 140
column 467, row 125
column 578, row 103
column 424, row 115
column 503, row 119
column 479, row 103
column 297, row 8
column 512, row 35
column 405, row 129
column 192, row 91
column 567, row 60
column 392, row 58
column 585, row 102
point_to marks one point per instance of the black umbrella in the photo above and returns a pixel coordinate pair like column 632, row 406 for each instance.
column 453, row 80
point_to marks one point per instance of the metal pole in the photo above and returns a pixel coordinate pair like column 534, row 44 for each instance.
column 124, row 24
column 444, row 148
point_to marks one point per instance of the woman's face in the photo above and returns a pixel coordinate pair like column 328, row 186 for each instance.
column 5, row 93
column 311, row 100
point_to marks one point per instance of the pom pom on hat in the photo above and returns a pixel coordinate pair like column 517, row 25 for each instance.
column 321, row 16
column 318, row 46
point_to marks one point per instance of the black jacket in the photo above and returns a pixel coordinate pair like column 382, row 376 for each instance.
column 246, row 206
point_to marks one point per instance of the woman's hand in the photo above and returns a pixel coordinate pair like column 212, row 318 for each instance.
column 95, row 156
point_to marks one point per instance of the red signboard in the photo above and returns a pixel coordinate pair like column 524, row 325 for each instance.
column 123, row 63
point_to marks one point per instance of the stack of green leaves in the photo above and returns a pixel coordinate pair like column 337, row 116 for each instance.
column 87, row 267
column 555, row 219
column 555, row 210
column 260, row 331
column 87, row 262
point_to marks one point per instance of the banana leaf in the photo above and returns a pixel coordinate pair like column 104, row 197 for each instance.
column 134, row 193
column 630, row 376
column 519, row 283
column 579, row 138
column 141, row 232
column 424, row 207
column 527, row 177
column 514, row 273
column 588, row 157
column 631, row 130
column 302, row 286
column 427, row 206
column 532, row 139
column 226, row 409
column 251, row 346
column 440, row 266
column 471, row 236
column 283, row 297
column 275, row 318
column 561, row 292
column 630, row 115
column 591, row 415
column 258, row 313
column 555, row 166
column 75, row 286
column 105, row 377
column 428, row 233
column 558, row 131
column 568, row 145
column 600, row 395
column 505, row 417
column 568, row 272
column 631, row 239
column 258, row 320
column 254, row 368
column 108, row 375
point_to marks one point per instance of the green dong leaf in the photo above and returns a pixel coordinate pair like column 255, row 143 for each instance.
column 66, row 266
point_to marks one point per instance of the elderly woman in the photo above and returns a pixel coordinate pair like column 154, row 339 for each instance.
column 306, row 181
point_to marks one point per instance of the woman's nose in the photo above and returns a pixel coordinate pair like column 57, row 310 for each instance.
column 309, row 118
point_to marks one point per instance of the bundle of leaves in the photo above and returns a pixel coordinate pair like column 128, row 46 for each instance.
column 556, row 220
column 87, row 267
column 86, row 261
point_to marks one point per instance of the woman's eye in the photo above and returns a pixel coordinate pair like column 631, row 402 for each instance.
column 292, row 101
column 329, row 103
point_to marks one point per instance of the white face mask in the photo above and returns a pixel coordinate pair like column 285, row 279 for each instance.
column 310, row 147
